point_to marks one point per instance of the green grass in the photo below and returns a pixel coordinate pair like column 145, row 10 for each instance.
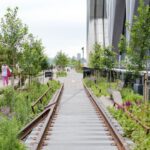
column 132, row 129
column 8, row 134
column 140, row 110
column 129, row 95
column 21, row 113
column 61, row 74
column 100, row 87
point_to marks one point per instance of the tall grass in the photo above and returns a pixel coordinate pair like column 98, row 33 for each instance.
column 20, row 112
column 8, row 135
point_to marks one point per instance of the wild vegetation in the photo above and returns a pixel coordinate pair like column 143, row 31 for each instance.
column 61, row 74
column 137, row 58
column 24, row 54
column 20, row 49
column 16, row 111
column 99, row 87
column 131, row 128
column 134, row 104
column 137, row 49
column 61, row 60
column 102, row 57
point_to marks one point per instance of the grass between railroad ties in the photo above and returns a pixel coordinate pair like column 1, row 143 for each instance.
column 16, row 112
column 134, row 104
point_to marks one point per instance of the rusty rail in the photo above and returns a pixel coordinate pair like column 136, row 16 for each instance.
column 117, row 137
column 28, row 128
column 134, row 118
column 47, row 113
column 48, row 119
column 40, row 99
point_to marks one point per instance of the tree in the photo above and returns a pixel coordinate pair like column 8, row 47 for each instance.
column 12, row 33
column 96, row 57
column 109, row 59
column 31, row 59
column 72, row 62
column 139, row 44
column 122, row 45
column 61, row 60
column 44, row 63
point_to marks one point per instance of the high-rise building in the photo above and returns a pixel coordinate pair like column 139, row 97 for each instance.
column 106, row 21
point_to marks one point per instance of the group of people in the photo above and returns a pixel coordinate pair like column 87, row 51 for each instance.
column 6, row 73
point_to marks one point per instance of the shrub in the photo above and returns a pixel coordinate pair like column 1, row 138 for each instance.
column 22, row 108
column 132, row 129
column 8, row 98
column 129, row 95
column 61, row 74
column 8, row 135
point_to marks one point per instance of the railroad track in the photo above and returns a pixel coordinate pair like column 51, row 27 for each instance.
column 73, row 121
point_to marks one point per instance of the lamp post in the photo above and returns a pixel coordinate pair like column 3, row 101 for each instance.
column 82, row 60
column 83, row 54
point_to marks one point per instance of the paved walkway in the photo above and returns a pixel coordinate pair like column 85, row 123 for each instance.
column 41, row 79
column 9, row 83
column 77, row 127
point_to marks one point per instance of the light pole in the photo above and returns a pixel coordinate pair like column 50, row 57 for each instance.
column 83, row 54
column 82, row 60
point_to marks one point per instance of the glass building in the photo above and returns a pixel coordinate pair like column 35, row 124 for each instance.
column 106, row 21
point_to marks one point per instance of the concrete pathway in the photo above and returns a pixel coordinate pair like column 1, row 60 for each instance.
column 9, row 82
column 41, row 79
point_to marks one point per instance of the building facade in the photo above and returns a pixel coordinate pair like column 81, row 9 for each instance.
column 106, row 21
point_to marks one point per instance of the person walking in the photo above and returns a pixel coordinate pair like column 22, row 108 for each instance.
column 5, row 74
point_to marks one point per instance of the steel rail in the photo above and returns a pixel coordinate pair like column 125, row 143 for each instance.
column 121, row 144
column 146, row 128
column 39, row 99
column 49, row 117
column 51, row 107
column 48, row 110
column 28, row 128
column 133, row 117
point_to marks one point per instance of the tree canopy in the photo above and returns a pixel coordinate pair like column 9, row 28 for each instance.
column 139, row 45
column 102, row 57
column 12, row 35
column 19, row 47
column 61, row 60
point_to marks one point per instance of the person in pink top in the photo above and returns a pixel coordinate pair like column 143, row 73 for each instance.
column 4, row 74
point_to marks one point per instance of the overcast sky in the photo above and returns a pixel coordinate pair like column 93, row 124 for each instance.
column 61, row 24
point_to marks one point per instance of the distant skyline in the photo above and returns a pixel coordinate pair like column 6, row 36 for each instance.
column 60, row 24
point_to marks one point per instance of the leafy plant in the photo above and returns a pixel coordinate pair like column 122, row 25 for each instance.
column 8, row 97
column 61, row 73
column 131, row 128
column 8, row 135
column 139, row 44
column 100, row 87
column 61, row 60
column 129, row 95
column 96, row 57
